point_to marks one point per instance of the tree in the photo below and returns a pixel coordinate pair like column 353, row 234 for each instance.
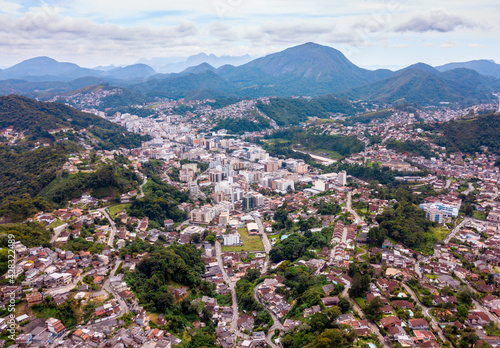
column 463, row 310
column 376, row 237
column 360, row 285
column 344, row 305
column 195, row 238
column 469, row 211
column 373, row 310
column 468, row 340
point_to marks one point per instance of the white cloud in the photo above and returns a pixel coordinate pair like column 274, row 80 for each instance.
column 94, row 32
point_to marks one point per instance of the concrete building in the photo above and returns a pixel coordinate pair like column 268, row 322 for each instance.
column 342, row 178
column 232, row 239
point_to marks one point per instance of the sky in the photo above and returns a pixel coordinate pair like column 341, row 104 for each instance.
column 371, row 33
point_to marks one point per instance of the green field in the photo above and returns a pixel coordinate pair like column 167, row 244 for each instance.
column 480, row 215
column 440, row 233
column 57, row 224
column 360, row 301
column 250, row 243
column 116, row 208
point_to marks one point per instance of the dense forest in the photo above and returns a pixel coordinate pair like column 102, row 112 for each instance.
column 154, row 275
column 242, row 125
column 36, row 118
column 160, row 202
column 28, row 172
column 109, row 180
column 292, row 111
column 30, row 234
column 405, row 223
column 412, row 148
column 470, row 135
column 368, row 117
column 344, row 145
column 297, row 246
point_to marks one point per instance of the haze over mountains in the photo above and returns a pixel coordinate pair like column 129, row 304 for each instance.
column 308, row 69
column 178, row 64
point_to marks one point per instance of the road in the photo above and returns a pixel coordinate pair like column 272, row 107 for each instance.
column 265, row 242
column 482, row 309
column 267, row 248
column 426, row 312
column 141, row 191
column 277, row 324
column 469, row 190
column 69, row 287
column 324, row 160
column 374, row 328
column 357, row 218
column 456, row 229
column 447, row 185
column 107, row 286
column 57, row 231
column 358, row 255
column 111, row 238
column 232, row 288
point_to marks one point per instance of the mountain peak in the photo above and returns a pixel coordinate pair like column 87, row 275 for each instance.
column 198, row 69
column 422, row 67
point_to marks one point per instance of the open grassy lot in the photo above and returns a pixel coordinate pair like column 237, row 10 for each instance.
column 116, row 208
column 250, row 243
column 440, row 233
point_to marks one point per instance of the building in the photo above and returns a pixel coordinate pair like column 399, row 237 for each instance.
column 283, row 185
column 435, row 215
column 253, row 228
column 34, row 298
column 224, row 218
column 248, row 202
column 203, row 215
column 342, row 178
column 188, row 232
column 232, row 239
column 271, row 166
column 216, row 176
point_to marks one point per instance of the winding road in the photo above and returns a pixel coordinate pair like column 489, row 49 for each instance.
column 426, row 311
column 232, row 288
column 357, row 218
column 277, row 324
column 374, row 328
column 456, row 229
column 107, row 286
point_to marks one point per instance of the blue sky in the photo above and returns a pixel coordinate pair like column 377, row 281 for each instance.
column 370, row 33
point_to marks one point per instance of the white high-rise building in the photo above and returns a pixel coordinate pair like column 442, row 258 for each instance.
column 342, row 178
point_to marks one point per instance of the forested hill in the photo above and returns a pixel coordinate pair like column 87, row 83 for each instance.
column 292, row 111
column 469, row 135
column 36, row 119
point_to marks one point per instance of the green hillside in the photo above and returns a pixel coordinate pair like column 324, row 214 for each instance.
column 36, row 119
column 292, row 111
column 470, row 135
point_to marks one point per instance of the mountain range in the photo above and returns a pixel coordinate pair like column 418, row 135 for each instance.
column 308, row 69
column 178, row 64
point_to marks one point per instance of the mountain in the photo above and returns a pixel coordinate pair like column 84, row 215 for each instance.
column 178, row 64
column 427, row 88
column 31, row 169
column 136, row 71
column 35, row 119
column 309, row 69
column 483, row 66
column 198, row 69
column 422, row 67
column 306, row 69
column 185, row 86
column 47, row 69
column 470, row 135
